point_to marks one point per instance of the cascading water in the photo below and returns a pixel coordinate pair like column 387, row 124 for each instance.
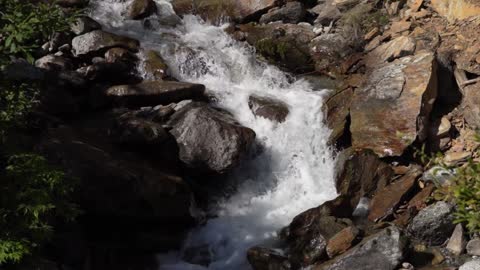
column 295, row 170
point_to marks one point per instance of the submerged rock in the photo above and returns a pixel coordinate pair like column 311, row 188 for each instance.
column 269, row 108
column 151, row 93
column 98, row 41
column 210, row 140
column 393, row 108
column 140, row 9
column 383, row 250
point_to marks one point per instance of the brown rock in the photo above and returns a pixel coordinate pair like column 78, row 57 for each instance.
column 140, row 9
column 454, row 158
column 393, row 107
column 154, row 66
column 342, row 241
column 457, row 243
column 267, row 259
column 371, row 34
column 385, row 201
column 419, row 201
column 456, row 9
column 400, row 26
column 396, row 48
column 414, row 5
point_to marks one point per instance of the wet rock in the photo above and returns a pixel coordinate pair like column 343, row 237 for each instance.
column 473, row 247
column 267, row 259
column 399, row 47
column 283, row 44
column 55, row 63
column 140, row 9
column 120, row 55
column 393, row 107
column 361, row 175
column 210, row 139
column 83, row 25
column 383, row 250
column 97, row 41
column 336, row 110
column 471, row 265
column 154, row 66
column 309, row 233
column 434, row 224
column 456, row 244
column 328, row 50
column 342, row 241
column 151, row 93
column 386, row 200
column 292, row 12
column 269, row 108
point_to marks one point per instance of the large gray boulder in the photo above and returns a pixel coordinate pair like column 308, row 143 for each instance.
column 434, row 224
column 98, row 41
column 209, row 139
column 383, row 250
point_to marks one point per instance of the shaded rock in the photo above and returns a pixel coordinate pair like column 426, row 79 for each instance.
column 122, row 194
column 329, row 50
column 120, row 55
column 21, row 70
column 456, row 244
column 269, row 108
column 386, row 200
column 154, row 66
column 140, row 9
column 210, row 139
column 434, row 224
column 383, row 250
column 98, row 41
column 309, row 233
column 52, row 62
column 72, row 3
column 283, row 44
column 327, row 12
column 361, row 175
column 473, row 247
column 470, row 104
column 292, row 12
column 131, row 129
column 151, row 93
column 471, row 265
column 342, row 241
column 83, row 25
column 267, row 259
column 336, row 110
column 200, row 255
column 399, row 47
column 393, row 107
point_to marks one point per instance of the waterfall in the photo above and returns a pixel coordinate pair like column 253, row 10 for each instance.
column 295, row 170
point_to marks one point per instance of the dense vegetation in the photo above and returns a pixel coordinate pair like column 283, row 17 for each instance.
column 34, row 195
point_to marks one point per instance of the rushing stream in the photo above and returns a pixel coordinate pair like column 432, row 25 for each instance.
column 295, row 170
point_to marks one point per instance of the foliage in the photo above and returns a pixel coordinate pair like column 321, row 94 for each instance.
column 24, row 26
column 274, row 49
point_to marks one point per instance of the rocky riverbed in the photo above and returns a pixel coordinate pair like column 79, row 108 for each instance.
column 160, row 130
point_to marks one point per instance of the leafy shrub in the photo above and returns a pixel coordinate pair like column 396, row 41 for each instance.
column 25, row 26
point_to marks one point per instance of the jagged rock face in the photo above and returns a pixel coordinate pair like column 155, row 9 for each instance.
column 392, row 108
column 283, row 44
column 269, row 108
column 336, row 109
column 328, row 51
column 292, row 12
column 151, row 93
column 267, row 259
column 434, row 224
column 396, row 48
column 213, row 9
column 98, row 41
column 457, row 9
column 209, row 139
column 383, row 250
